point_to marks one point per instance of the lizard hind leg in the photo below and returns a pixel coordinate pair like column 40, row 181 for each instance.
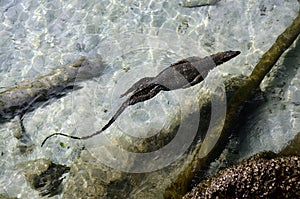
column 142, row 83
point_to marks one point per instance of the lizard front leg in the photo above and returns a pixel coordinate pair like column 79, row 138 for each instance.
column 138, row 85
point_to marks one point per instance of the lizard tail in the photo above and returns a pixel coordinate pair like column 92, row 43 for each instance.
column 117, row 114
column 112, row 120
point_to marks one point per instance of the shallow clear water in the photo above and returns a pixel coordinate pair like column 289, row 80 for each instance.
column 274, row 123
column 135, row 39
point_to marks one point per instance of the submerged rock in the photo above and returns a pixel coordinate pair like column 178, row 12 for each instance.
column 262, row 175
column 90, row 179
column 45, row 176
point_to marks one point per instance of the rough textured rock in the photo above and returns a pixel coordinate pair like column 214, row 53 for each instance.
column 262, row 175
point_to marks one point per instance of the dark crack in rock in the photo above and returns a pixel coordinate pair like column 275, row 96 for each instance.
column 197, row 3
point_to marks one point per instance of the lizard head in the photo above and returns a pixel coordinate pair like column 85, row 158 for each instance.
column 221, row 57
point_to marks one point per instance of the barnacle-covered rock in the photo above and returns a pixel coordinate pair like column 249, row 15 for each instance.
column 262, row 175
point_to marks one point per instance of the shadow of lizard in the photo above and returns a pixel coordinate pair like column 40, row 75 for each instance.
column 182, row 74
column 27, row 95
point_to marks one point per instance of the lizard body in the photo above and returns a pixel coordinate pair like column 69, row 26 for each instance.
column 182, row 74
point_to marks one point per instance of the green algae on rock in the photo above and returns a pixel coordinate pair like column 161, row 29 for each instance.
column 19, row 98
column 262, row 175
column 3, row 196
column 293, row 147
